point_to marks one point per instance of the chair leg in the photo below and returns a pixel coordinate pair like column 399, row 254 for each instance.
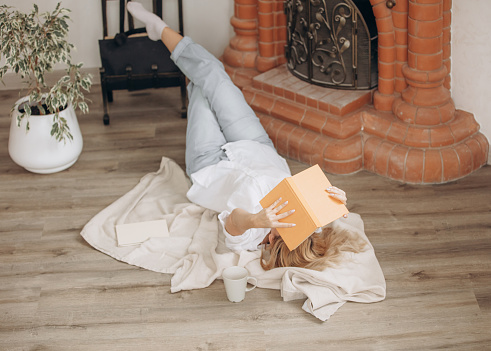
column 184, row 110
column 105, row 118
column 109, row 96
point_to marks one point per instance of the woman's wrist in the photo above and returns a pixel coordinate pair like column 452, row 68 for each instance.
column 253, row 221
column 239, row 221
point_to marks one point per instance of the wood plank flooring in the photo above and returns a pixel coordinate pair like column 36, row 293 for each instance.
column 58, row 293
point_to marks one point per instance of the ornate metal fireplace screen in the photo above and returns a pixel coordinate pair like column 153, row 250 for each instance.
column 332, row 43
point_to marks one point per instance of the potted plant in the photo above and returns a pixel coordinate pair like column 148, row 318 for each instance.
column 44, row 135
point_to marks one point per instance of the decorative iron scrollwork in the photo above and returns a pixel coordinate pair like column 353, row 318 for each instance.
column 316, row 38
column 329, row 42
column 297, row 52
column 327, row 53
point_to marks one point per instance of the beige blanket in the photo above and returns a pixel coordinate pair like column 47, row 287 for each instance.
column 196, row 255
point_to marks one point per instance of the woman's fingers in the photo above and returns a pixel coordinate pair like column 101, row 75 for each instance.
column 273, row 205
column 335, row 190
column 276, row 220
column 284, row 214
column 283, row 225
column 337, row 193
column 273, row 217
column 341, row 198
column 280, row 207
column 274, row 209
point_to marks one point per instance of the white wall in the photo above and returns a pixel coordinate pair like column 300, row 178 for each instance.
column 471, row 60
column 206, row 21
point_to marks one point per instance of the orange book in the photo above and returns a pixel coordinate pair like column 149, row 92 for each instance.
column 314, row 208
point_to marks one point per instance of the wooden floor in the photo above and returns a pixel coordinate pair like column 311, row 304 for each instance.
column 58, row 293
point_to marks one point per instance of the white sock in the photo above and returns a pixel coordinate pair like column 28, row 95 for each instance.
column 153, row 23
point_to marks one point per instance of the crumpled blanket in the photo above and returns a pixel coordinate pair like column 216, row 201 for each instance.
column 195, row 252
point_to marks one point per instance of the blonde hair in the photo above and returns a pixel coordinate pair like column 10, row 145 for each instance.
column 318, row 251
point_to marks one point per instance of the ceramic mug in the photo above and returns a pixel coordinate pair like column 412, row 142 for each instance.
column 235, row 279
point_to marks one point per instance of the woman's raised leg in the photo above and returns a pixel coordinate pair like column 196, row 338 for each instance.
column 235, row 117
column 204, row 139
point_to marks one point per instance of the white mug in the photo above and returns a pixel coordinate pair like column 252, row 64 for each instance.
column 235, row 279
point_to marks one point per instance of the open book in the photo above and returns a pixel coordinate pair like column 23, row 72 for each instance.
column 314, row 208
column 136, row 233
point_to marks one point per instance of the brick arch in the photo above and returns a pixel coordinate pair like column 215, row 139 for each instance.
column 392, row 27
column 387, row 55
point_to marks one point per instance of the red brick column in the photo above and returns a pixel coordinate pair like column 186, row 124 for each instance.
column 447, row 21
column 425, row 140
column 384, row 95
column 426, row 101
column 399, row 17
column 240, row 56
column 259, row 43
column 272, row 34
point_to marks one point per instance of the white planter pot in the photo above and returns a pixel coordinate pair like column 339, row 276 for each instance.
column 38, row 151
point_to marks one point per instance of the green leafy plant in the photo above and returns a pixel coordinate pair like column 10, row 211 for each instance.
column 31, row 45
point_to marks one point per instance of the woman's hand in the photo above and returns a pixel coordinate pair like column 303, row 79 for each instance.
column 339, row 195
column 240, row 220
column 269, row 217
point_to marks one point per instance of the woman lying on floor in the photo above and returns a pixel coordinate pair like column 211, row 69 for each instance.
column 233, row 164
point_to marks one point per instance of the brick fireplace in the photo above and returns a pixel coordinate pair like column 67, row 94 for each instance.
column 406, row 129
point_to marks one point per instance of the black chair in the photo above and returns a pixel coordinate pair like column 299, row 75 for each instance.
column 124, row 67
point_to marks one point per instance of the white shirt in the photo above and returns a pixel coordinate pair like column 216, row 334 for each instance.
column 251, row 171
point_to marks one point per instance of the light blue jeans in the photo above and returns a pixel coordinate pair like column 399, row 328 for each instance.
column 217, row 111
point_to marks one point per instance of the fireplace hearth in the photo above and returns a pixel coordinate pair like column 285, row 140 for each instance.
column 332, row 43
column 406, row 129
